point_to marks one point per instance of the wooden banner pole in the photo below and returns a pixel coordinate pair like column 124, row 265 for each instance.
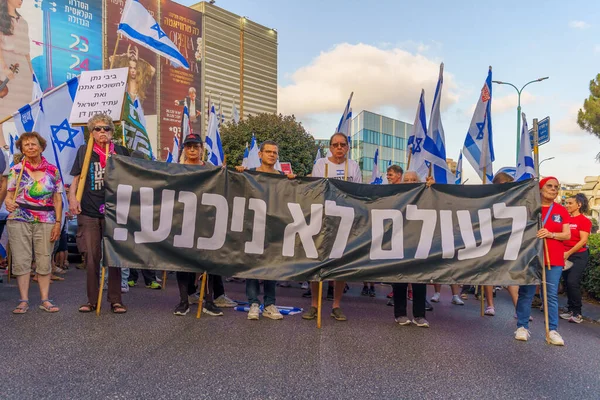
column 101, row 289
column 8, row 263
column 201, row 299
column 319, row 304
column 164, row 280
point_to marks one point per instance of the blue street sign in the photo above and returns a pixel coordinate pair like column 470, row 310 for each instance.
column 543, row 132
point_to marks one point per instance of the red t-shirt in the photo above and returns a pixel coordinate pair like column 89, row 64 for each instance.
column 578, row 224
column 554, row 224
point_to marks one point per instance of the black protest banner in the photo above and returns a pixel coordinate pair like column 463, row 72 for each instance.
column 191, row 218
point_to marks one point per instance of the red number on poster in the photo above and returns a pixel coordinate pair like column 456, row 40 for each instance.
column 79, row 65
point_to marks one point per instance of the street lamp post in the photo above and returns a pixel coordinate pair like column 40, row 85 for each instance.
column 545, row 159
column 519, row 108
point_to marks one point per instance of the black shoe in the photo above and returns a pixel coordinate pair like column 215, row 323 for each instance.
column 537, row 301
column 330, row 293
column 210, row 309
column 390, row 302
column 346, row 288
column 428, row 306
column 307, row 294
column 182, row 309
column 372, row 292
column 365, row 291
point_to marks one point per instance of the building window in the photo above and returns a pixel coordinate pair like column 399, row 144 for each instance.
column 399, row 143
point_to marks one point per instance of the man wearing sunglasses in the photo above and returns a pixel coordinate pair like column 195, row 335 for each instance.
column 90, row 212
column 336, row 166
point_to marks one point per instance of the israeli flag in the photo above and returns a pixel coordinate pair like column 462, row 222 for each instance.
column 508, row 170
column 52, row 123
column 173, row 156
column 253, row 158
column 213, row 140
column 458, row 177
column 186, row 129
column 525, row 165
column 479, row 143
column 376, row 178
column 37, row 90
column 344, row 125
column 441, row 173
column 235, row 114
column 245, row 159
column 318, row 155
column 138, row 25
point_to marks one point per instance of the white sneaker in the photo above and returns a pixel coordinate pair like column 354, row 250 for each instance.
column 125, row 289
column 254, row 312
column 304, row 285
column 194, row 298
column 457, row 300
column 272, row 312
column 436, row 297
column 225, row 302
column 522, row 334
column 555, row 339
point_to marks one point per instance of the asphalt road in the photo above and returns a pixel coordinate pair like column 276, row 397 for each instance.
column 150, row 353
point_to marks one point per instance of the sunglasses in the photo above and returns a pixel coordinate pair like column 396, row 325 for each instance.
column 342, row 145
column 102, row 128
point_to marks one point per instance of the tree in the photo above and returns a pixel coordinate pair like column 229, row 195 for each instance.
column 588, row 118
column 295, row 144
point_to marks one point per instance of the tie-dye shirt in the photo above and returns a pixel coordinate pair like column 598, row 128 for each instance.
column 34, row 193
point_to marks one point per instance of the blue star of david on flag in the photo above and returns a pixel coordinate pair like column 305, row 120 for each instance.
column 480, row 127
column 156, row 27
column 417, row 147
column 71, row 134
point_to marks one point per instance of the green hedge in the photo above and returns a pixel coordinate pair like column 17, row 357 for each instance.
column 591, row 277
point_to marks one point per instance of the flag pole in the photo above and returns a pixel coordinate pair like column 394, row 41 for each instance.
column 103, row 274
column 164, row 280
column 545, row 290
column 201, row 299
column 9, row 255
column 482, row 289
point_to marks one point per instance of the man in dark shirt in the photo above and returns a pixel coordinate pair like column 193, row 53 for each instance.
column 90, row 211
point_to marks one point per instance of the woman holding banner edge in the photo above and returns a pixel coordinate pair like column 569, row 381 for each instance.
column 555, row 230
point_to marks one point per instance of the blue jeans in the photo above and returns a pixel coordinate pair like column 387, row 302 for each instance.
column 253, row 288
column 526, row 297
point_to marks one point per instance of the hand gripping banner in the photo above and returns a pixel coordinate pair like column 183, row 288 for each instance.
column 252, row 225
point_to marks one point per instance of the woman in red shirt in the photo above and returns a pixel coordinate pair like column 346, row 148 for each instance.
column 555, row 229
column 576, row 252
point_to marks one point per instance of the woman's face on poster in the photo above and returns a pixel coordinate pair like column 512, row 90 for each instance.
column 15, row 3
column 132, row 69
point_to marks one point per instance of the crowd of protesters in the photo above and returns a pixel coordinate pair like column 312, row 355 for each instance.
column 32, row 192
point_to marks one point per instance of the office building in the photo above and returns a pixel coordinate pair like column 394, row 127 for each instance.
column 239, row 62
column 370, row 131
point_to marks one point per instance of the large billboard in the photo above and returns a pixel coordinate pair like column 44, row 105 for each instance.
column 180, row 87
column 141, row 61
column 55, row 39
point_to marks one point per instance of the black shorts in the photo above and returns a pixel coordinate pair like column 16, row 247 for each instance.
column 62, row 243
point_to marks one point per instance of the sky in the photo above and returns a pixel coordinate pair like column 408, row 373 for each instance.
column 386, row 51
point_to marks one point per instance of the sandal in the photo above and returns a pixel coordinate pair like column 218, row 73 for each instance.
column 51, row 308
column 490, row 311
column 56, row 278
column 118, row 308
column 87, row 308
column 21, row 309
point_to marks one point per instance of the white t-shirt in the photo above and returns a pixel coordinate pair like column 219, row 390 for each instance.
column 336, row 171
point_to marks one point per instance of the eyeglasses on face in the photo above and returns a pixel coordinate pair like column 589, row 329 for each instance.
column 193, row 146
column 102, row 128
column 336, row 145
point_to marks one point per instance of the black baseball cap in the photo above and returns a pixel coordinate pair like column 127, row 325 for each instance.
column 192, row 138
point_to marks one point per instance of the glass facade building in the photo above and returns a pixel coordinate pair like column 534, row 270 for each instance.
column 370, row 131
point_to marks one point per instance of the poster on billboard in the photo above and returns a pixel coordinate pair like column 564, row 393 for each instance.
column 180, row 87
column 55, row 39
column 142, row 62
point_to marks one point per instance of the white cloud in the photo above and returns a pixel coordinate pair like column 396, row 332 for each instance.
column 379, row 78
column 568, row 125
column 579, row 24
